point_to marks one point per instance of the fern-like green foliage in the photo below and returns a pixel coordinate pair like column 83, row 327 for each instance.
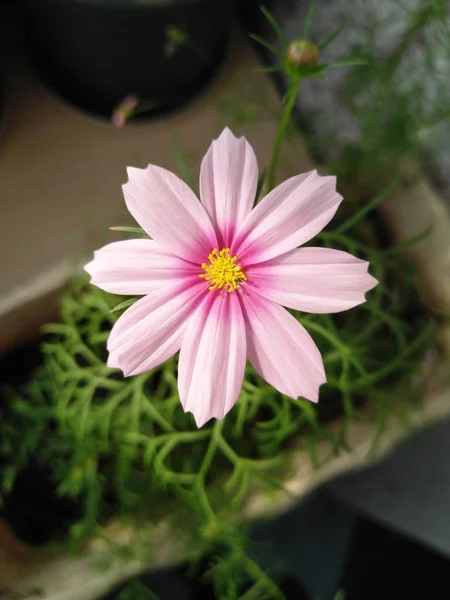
column 126, row 449
column 137, row 591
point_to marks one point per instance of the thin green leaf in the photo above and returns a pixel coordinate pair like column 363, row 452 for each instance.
column 181, row 162
column 308, row 22
column 275, row 26
column 332, row 37
column 124, row 304
column 364, row 210
column 128, row 229
column 351, row 62
column 268, row 70
column 261, row 181
column 136, row 589
column 267, row 45
column 412, row 241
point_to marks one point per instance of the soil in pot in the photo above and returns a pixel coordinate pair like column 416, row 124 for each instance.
column 96, row 52
column 33, row 509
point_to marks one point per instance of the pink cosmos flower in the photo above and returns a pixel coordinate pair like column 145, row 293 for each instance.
column 216, row 273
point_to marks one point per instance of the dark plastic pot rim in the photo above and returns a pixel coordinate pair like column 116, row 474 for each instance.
column 137, row 4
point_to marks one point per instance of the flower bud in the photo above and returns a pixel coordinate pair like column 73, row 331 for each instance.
column 303, row 53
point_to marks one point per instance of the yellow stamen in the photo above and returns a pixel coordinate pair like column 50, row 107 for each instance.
column 222, row 270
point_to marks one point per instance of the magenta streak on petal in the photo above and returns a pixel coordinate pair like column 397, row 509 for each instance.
column 151, row 330
column 317, row 280
column 228, row 181
column 212, row 357
column 136, row 266
column 169, row 211
column 290, row 215
column 280, row 349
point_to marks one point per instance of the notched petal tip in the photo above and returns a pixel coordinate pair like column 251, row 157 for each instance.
column 227, row 132
column 135, row 175
column 329, row 181
column 134, row 171
column 314, row 398
column 89, row 267
column 371, row 282
column 200, row 420
column 228, row 136
column 113, row 361
column 92, row 266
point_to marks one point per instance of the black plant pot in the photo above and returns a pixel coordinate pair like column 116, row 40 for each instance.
column 96, row 52
column 2, row 105
column 3, row 44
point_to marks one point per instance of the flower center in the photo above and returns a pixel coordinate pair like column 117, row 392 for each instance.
column 222, row 270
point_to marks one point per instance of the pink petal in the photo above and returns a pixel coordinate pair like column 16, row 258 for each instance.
column 151, row 330
column 228, row 182
column 316, row 280
column 290, row 215
column 136, row 266
column 212, row 358
column 280, row 349
column 169, row 211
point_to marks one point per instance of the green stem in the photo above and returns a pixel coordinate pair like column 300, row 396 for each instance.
column 203, row 471
column 285, row 117
column 398, row 54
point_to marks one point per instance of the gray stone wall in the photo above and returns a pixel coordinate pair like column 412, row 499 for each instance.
column 383, row 110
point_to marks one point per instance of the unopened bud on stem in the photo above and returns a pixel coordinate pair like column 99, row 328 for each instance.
column 303, row 53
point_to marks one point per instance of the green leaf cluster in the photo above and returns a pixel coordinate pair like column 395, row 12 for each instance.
column 125, row 449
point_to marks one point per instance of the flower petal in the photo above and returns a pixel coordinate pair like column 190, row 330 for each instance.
column 212, row 358
column 290, row 215
column 136, row 266
column 228, row 182
column 151, row 330
column 317, row 280
column 169, row 211
column 280, row 349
